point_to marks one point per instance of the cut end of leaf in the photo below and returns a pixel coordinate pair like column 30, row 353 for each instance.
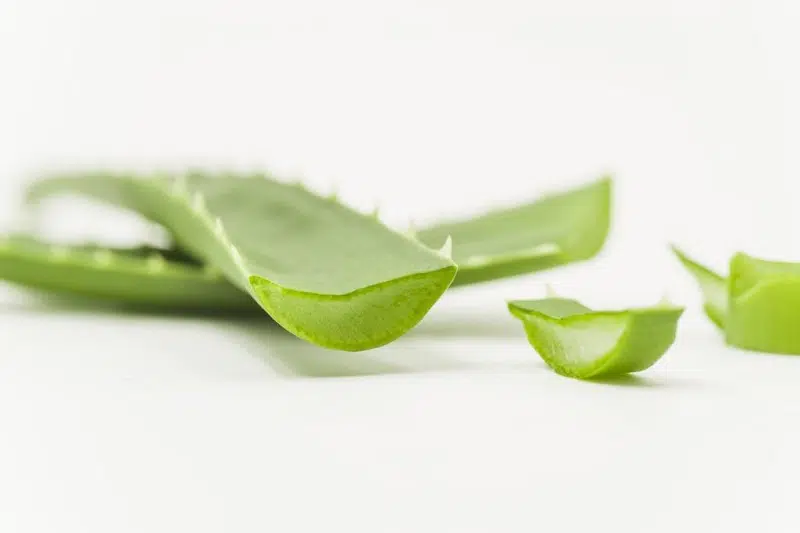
column 580, row 343
column 364, row 319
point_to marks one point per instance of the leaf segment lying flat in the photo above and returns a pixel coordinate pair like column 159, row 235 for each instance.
column 580, row 343
column 131, row 276
column 555, row 230
column 757, row 306
column 327, row 274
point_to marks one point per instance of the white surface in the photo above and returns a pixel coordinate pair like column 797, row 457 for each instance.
column 125, row 423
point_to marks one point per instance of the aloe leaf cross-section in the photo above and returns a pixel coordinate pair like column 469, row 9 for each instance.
column 328, row 274
column 577, row 342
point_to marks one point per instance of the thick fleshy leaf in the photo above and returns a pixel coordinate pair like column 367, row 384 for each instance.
column 326, row 273
column 764, row 312
column 758, row 306
column 580, row 343
column 140, row 277
column 554, row 230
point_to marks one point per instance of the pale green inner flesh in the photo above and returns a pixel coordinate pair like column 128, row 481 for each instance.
column 581, row 342
column 578, row 342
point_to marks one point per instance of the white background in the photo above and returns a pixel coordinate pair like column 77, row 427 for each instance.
column 432, row 109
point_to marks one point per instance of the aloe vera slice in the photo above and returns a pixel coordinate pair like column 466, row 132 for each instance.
column 555, row 230
column 137, row 276
column 580, row 343
column 327, row 274
column 762, row 298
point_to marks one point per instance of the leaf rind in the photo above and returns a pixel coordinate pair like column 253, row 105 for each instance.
column 622, row 341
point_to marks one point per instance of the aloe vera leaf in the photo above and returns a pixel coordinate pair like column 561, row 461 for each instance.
column 713, row 286
column 327, row 274
column 764, row 311
column 130, row 276
column 758, row 306
column 490, row 255
column 580, row 343
column 555, row 230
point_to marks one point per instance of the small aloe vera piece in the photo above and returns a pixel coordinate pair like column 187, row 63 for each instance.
column 580, row 343
column 757, row 306
column 555, row 230
column 131, row 276
column 327, row 274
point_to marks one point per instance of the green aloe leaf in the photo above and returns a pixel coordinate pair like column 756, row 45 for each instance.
column 131, row 276
column 712, row 285
column 580, row 343
column 555, row 230
column 758, row 306
column 327, row 274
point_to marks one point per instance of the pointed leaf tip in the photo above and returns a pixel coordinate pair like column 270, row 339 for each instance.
column 664, row 301
column 447, row 248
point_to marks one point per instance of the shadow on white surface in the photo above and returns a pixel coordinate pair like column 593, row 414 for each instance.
column 450, row 342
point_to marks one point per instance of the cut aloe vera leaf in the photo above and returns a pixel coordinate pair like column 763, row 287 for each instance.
column 580, row 343
column 555, row 230
column 764, row 312
column 758, row 306
column 139, row 277
column 327, row 274
column 713, row 286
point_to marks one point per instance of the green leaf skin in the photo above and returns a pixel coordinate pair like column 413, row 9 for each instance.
column 553, row 231
column 713, row 286
column 478, row 261
column 138, row 277
column 327, row 274
column 580, row 343
column 758, row 306
column 764, row 309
